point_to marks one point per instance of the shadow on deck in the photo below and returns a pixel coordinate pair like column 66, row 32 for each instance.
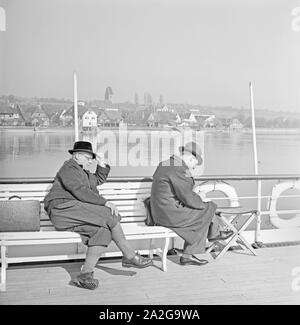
column 237, row 278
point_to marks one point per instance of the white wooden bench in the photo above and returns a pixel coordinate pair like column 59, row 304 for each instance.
column 128, row 196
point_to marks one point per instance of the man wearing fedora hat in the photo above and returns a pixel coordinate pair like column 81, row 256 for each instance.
column 175, row 205
column 74, row 204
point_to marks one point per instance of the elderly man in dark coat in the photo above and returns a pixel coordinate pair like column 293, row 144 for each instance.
column 175, row 205
column 74, row 204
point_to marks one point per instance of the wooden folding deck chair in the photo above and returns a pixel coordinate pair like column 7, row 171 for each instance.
column 236, row 219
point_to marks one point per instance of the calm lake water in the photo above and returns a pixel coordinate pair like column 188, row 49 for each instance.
column 25, row 153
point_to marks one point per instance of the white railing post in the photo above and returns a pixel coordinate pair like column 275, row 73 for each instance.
column 75, row 108
column 258, row 216
column 257, row 243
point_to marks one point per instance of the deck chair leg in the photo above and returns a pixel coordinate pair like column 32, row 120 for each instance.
column 228, row 245
column 247, row 245
column 3, row 269
column 242, row 244
column 164, row 254
column 210, row 248
column 242, row 238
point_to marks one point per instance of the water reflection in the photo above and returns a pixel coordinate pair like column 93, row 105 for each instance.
column 18, row 145
column 40, row 154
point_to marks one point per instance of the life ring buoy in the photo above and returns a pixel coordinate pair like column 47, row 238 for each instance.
column 277, row 190
column 225, row 188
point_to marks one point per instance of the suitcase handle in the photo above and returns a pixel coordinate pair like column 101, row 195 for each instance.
column 15, row 196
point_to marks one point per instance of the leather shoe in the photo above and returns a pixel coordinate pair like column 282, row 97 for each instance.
column 137, row 261
column 86, row 281
column 224, row 234
column 192, row 261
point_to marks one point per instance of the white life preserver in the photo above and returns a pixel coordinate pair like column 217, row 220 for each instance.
column 225, row 188
column 277, row 190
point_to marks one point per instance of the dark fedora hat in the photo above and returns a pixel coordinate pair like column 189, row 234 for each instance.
column 193, row 148
column 84, row 146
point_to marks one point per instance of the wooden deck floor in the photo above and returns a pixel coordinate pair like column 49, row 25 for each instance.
column 234, row 279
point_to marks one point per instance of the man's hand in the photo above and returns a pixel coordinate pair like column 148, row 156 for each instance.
column 100, row 159
column 113, row 208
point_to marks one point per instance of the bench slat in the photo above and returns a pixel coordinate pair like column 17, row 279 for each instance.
column 139, row 197
column 117, row 192
column 128, row 185
column 37, row 235
column 5, row 195
column 25, row 187
column 123, row 191
column 128, row 228
column 47, row 186
column 131, row 213
column 137, row 207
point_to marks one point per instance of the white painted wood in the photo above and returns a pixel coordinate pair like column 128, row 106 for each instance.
column 125, row 219
column 131, row 196
column 123, row 191
column 130, row 213
column 45, row 258
column 3, row 268
column 25, row 196
column 164, row 254
column 37, row 235
column 41, row 241
column 128, row 202
column 25, row 187
column 127, row 196
column 125, row 185
column 137, row 206
column 46, row 186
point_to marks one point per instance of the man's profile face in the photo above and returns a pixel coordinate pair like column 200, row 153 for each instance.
column 191, row 161
column 84, row 159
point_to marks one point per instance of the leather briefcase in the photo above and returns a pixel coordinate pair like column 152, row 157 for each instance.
column 149, row 218
column 19, row 215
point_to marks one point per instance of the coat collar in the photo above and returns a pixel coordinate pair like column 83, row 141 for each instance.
column 179, row 162
column 73, row 162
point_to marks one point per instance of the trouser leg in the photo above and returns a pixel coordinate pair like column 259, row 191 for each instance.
column 199, row 246
column 120, row 240
column 196, row 248
column 92, row 256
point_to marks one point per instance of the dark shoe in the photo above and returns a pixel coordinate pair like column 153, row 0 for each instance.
column 137, row 261
column 224, row 234
column 174, row 251
column 192, row 261
column 86, row 281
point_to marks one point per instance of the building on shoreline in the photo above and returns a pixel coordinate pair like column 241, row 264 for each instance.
column 11, row 115
column 17, row 111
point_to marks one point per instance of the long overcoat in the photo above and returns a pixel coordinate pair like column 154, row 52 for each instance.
column 74, row 203
column 175, row 205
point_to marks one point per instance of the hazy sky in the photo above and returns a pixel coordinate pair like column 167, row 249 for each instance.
column 191, row 51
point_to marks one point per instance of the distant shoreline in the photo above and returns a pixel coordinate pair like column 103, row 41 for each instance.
column 141, row 128
column 37, row 129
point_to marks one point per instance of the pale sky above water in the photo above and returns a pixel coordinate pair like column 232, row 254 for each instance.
column 191, row 51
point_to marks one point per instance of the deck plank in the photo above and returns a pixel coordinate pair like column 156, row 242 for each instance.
column 234, row 279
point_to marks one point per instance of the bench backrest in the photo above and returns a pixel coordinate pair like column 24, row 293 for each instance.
column 128, row 197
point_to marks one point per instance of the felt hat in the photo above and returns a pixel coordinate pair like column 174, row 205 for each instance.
column 194, row 149
column 83, row 146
